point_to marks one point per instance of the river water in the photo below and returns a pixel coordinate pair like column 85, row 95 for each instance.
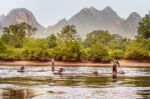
column 75, row 83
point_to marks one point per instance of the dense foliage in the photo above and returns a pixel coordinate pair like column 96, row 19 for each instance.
column 144, row 27
column 68, row 48
column 14, row 34
column 35, row 49
column 68, row 51
column 138, row 50
column 16, row 43
column 98, row 53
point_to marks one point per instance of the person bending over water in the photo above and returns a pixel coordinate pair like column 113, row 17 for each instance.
column 52, row 66
column 114, row 69
column 59, row 72
column 22, row 69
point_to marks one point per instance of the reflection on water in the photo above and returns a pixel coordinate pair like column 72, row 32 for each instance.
column 17, row 94
column 144, row 93
column 40, row 83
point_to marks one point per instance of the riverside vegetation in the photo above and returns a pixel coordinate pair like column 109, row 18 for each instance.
column 17, row 43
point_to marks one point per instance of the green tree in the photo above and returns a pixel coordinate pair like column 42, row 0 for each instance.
column 14, row 34
column 68, row 46
column 138, row 50
column 35, row 49
column 98, row 53
column 29, row 30
column 115, row 43
column 2, row 46
column 144, row 27
column 68, row 51
column 99, row 36
column 68, row 33
column 118, row 42
column 52, row 41
column 116, row 53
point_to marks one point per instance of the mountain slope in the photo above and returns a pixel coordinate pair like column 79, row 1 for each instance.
column 86, row 20
column 2, row 18
column 57, row 28
column 20, row 15
column 89, row 19
column 128, row 28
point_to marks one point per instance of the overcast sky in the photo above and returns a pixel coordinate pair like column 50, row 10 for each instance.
column 48, row 12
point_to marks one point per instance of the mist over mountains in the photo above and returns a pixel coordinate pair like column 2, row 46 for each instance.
column 86, row 20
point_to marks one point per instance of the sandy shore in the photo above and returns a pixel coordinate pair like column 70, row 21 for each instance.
column 124, row 63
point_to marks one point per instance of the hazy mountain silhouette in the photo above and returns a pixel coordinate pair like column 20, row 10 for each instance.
column 86, row 20
column 89, row 19
column 20, row 15
column 2, row 17
column 128, row 27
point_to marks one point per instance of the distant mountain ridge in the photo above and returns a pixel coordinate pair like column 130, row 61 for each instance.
column 129, row 26
column 86, row 20
column 89, row 19
column 2, row 17
column 19, row 15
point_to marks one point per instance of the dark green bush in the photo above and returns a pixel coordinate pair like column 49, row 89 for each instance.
column 68, row 51
column 116, row 54
column 99, row 53
column 138, row 50
column 10, row 54
column 36, row 54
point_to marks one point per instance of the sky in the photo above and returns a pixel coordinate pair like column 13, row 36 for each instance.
column 49, row 12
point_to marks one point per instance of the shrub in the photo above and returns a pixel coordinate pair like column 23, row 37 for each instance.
column 116, row 53
column 35, row 49
column 10, row 53
column 98, row 53
column 36, row 54
column 68, row 51
column 85, row 54
column 138, row 50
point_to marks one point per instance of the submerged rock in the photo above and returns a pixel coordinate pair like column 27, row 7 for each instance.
column 57, row 92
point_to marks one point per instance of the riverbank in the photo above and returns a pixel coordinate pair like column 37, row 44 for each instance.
column 124, row 63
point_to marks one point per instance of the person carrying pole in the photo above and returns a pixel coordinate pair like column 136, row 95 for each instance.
column 114, row 68
column 52, row 66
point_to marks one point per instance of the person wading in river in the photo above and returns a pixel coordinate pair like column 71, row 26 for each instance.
column 22, row 69
column 114, row 69
column 59, row 72
column 53, row 63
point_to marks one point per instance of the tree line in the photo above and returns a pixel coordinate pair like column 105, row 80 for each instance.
column 17, row 43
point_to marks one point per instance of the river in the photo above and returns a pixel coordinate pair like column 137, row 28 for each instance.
column 75, row 83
